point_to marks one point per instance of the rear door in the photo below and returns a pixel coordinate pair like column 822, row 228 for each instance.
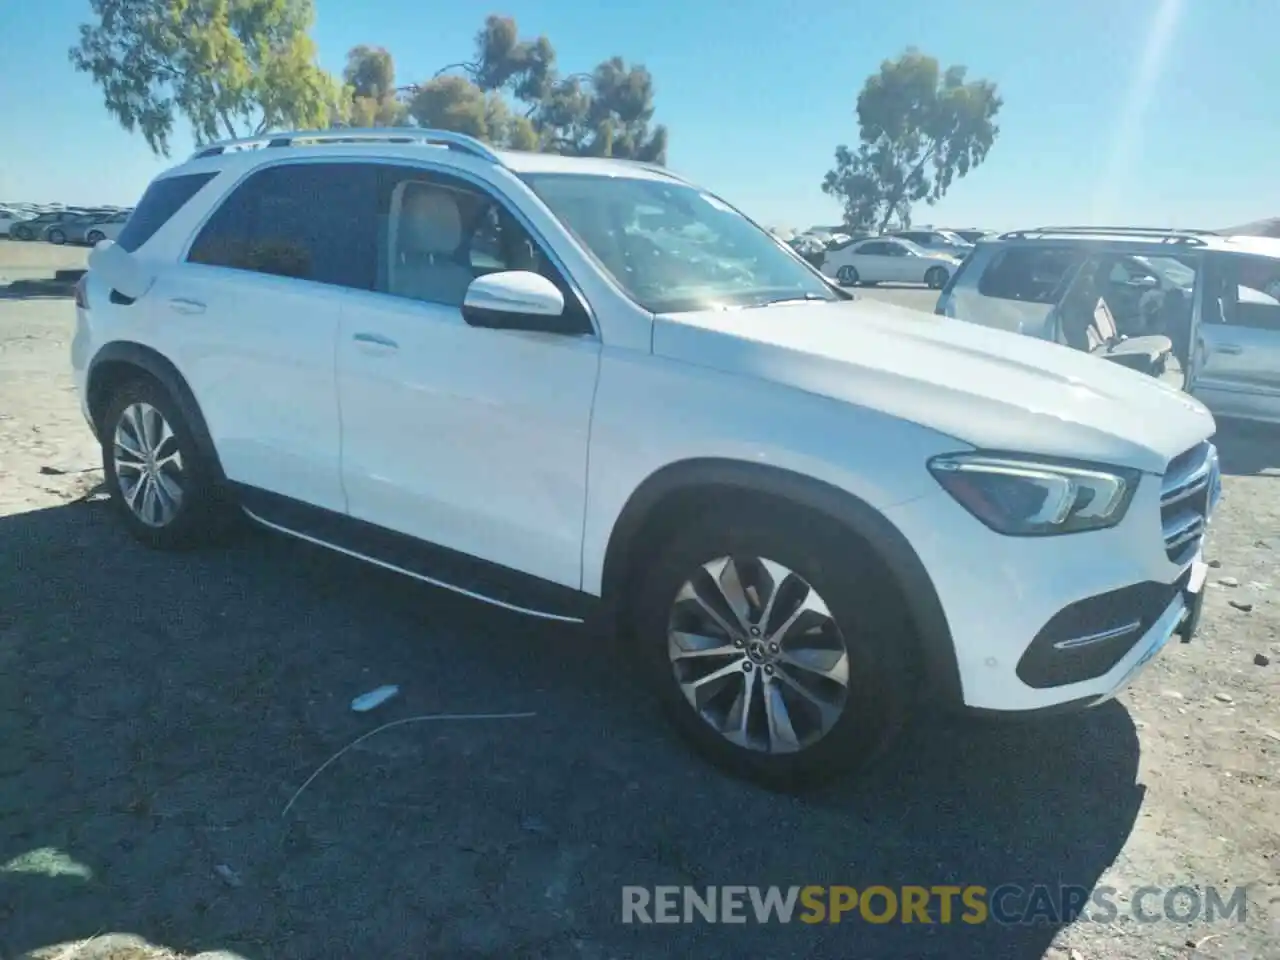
column 1236, row 365
column 873, row 262
column 252, row 319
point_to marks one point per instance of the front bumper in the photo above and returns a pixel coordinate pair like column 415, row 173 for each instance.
column 1041, row 624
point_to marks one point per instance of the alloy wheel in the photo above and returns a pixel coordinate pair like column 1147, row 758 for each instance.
column 758, row 655
column 148, row 465
column 847, row 275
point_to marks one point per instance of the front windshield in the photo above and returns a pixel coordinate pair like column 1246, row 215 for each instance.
column 675, row 248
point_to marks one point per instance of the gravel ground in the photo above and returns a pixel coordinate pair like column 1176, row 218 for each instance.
column 158, row 713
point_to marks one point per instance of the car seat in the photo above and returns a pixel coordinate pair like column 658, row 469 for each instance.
column 428, row 237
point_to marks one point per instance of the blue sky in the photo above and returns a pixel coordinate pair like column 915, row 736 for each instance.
column 1136, row 111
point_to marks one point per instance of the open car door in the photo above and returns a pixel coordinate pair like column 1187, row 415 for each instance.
column 1083, row 321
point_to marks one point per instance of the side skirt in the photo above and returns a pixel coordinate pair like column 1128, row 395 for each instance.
column 438, row 566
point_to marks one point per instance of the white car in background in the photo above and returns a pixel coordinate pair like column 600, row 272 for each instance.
column 7, row 219
column 889, row 260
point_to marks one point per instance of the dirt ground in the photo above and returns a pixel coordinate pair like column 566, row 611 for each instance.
column 159, row 713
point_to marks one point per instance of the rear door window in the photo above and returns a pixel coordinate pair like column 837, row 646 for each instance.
column 162, row 200
column 306, row 221
column 1247, row 292
column 1030, row 274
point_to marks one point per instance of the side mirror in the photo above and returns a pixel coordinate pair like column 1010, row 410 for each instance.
column 512, row 300
column 120, row 269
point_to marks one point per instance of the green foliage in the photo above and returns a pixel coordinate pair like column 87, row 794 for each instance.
column 512, row 95
column 920, row 129
column 230, row 67
column 370, row 78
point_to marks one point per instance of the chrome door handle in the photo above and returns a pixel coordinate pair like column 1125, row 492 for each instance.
column 183, row 305
column 376, row 340
column 1230, row 349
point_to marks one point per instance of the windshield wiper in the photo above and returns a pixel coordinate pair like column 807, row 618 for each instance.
column 804, row 298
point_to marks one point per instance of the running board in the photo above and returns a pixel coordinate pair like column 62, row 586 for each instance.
column 413, row 558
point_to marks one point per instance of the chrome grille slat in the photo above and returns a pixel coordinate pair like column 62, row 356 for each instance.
column 1187, row 495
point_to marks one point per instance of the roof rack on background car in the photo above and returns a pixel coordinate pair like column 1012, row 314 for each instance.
column 435, row 138
column 1164, row 234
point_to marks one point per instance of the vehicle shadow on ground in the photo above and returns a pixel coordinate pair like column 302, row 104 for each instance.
column 37, row 290
column 1246, row 449
column 158, row 713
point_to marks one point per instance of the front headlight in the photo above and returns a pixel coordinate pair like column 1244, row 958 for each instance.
column 1032, row 498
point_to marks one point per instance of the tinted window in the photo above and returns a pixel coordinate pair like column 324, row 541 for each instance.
column 1033, row 275
column 876, row 248
column 308, row 221
column 162, row 200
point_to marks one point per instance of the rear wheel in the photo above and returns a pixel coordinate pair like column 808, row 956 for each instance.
column 771, row 643
column 936, row 278
column 20, row 233
column 848, row 276
column 165, row 489
column 95, row 237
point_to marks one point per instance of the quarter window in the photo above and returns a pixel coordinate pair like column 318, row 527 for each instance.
column 307, row 221
column 163, row 199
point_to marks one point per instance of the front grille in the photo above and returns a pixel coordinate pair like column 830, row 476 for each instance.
column 1188, row 494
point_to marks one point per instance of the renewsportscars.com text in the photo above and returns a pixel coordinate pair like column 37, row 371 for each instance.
column 1009, row 904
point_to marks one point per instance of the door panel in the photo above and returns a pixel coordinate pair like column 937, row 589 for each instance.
column 257, row 351
column 472, row 439
column 1237, row 364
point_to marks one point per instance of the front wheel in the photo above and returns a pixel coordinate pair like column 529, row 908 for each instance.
column 847, row 276
column 95, row 237
column 771, row 643
column 56, row 236
column 936, row 278
column 164, row 488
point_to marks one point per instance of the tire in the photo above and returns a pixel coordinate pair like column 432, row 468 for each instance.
column 94, row 237
column 20, row 233
column 839, row 570
column 56, row 236
column 847, row 276
column 198, row 513
column 936, row 277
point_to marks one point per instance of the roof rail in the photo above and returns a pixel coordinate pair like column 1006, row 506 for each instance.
column 1162, row 234
column 1104, row 229
column 435, row 138
column 657, row 168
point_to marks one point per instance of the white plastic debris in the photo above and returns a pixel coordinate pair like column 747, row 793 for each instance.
column 374, row 698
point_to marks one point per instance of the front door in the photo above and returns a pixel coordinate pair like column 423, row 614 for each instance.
column 1236, row 364
column 471, row 439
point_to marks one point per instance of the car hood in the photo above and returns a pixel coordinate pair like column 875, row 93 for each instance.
column 988, row 388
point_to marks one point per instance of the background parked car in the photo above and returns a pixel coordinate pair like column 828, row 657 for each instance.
column 889, row 260
column 936, row 241
column 7, row 219
column 36, row 226
column 90, row 229
column 973, row 234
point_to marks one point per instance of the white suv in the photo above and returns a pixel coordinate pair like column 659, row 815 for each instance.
column 570, row 386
